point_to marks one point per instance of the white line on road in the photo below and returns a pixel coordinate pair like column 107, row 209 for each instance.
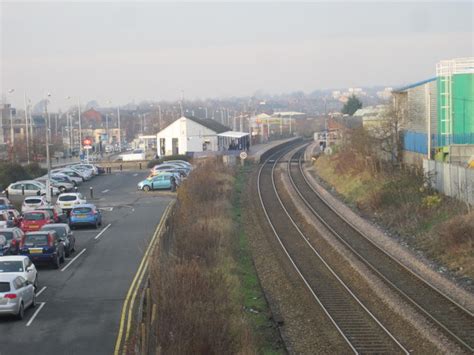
column 105, row 191
column 135, row 174
column 41, row 305
column 78, row 255
column 102, row 232
column 41, row 291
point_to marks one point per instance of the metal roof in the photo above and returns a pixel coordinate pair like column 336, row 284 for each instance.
column 233, row 134
column 414, row 85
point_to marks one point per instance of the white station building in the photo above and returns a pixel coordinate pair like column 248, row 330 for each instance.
column 189, row 134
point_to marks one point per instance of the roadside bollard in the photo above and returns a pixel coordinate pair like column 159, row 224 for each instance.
column 91, row 189
column 7, row 195
column 75, row 188
column 51, row 190
column 120, row 167
column 22, row 189
column 140, row 166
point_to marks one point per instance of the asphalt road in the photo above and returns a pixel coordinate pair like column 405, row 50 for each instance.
column 80, row 304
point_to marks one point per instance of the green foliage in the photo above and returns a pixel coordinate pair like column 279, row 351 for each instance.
column 11, row 172
column 35, row 170
column 352, row 105
column 431, row 201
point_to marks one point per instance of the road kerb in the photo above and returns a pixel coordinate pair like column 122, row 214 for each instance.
column 128, row 304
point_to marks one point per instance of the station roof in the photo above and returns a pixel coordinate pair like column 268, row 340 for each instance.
column 233, row 134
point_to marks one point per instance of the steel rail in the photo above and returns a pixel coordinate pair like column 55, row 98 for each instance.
column 358, row 334
column 465, row 317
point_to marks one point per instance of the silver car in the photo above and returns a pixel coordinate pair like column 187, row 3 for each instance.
column 16, row 295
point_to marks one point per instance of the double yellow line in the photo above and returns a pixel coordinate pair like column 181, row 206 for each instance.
column 128, row 305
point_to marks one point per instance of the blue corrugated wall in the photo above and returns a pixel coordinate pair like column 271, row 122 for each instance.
column 415, row 142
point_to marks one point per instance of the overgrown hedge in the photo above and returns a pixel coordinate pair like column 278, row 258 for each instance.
column 11, row 172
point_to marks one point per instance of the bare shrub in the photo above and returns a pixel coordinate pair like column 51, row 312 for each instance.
column 457, row 232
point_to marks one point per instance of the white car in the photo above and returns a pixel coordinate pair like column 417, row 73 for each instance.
column 72, row 174
column 31, row 203
column 92, row 168
column 86, row 173
column 19, row 265
column 68, row 200
column 30, row 187
column 62, row 186
column 16, row 294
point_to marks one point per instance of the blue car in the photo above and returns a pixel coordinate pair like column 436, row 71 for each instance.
column 86, row 214
column 160, row 181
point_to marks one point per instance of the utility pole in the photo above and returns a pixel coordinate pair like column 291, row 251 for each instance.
column 80, row 125
column 48, row 160
column 27, row 130
column 120, row 132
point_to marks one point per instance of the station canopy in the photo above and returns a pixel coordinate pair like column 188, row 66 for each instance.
column 233, row 134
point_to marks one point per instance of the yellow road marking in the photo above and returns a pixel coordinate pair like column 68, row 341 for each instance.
column 132, row 291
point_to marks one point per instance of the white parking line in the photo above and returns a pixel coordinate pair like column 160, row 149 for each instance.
column 78, row 255
column 41, row 305
column 102, row 232
column 41, row 291
column 105, row 191
column 135, row 174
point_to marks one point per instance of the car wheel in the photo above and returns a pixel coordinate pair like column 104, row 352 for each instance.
column 56, row 262
column 35, row 283
column 33, row 304
column 96, row 225
column 62, row 189
column 68, row 252
column 63, row 259
column 21, row 312
column 146, row 188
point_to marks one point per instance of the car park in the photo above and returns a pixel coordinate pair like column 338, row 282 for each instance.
column 10, row 239
column 19, row 265
column 5, row 203
column 65, row 235
column 91, row 167
column 16, row 295
column 33, row 202
column 85, row 214
column 160, row 181
column 69, row 200
column 166, row 167
column 43, row 247
column 28, row 188
column 84, row 172
column 64, row 178
column 34, row 220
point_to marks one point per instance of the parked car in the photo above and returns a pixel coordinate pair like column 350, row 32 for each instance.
column 85, row 214
column 10, row 239
column 16, row 295
column 86, row 173
column 68, row 200
column 165, row 167
column 61, row 185
column 43, row 247
column 5, row 203
column 180, row 162
column 90, row 167
column 34, row 220
column 64, row 178
column 160, row 181
column 15, row 217
column 72, row 174
column 19, row 265
column 5, row 221
column 55, row 213
column 31, row 187
column 33, row 202
column 65, row 235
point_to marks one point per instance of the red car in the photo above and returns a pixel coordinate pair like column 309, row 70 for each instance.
column 34, row 220
column 54, row 213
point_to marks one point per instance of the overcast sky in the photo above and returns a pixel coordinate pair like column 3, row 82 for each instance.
column 125, row 51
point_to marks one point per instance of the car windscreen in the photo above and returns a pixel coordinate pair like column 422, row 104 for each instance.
column 11, row 266
column 81, row 210
column 7, row 235
column 31, row 216
column 67, row 198
column 60, row 178
column 61, row 231
column 36, row 240
column 4, row 286
column 32, row 201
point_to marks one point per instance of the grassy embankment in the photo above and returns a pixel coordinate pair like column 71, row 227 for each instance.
column 204, row 285
column 439, row 226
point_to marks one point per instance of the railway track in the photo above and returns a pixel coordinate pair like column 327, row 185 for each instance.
column 362, row 331
column 453, row 319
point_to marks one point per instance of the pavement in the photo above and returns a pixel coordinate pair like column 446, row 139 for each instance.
column 79, row 305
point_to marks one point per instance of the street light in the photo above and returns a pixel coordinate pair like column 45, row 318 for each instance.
column 48, row 160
